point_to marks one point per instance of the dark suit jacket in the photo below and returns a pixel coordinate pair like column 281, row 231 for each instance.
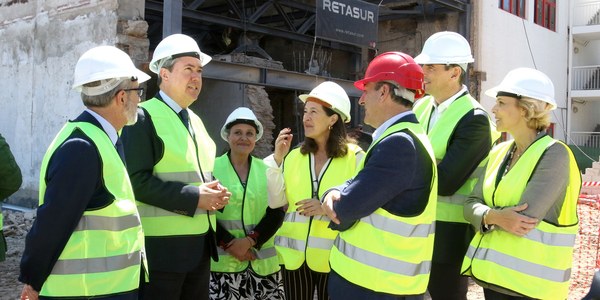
column 73, row 185
column 397, row 178
column 143, row 150
column 468, row 145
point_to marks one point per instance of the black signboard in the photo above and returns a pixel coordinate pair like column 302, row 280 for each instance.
column 349, row 21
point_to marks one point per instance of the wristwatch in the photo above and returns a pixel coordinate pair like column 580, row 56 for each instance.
column 487, row 226
column 253, row 235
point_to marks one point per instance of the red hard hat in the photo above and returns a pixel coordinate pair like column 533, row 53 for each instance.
column 397, row 67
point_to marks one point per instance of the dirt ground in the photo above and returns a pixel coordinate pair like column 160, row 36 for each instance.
column 16, row 225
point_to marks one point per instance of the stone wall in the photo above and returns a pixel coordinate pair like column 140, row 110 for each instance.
column 260, row 104
column 41, row 43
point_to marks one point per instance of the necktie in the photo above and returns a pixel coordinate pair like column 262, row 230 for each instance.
column 185, row 118
column 120, row 149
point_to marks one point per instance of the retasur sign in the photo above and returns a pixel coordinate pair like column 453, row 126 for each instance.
column 349, row 21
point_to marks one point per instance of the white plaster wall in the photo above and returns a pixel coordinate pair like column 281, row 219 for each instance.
column 504, row 42
column 587, row 116
column 41, row 42
column 588, row 54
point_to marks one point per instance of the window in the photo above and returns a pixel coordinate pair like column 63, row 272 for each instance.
column 515, row 7
column 550, row 130
column 545, row 13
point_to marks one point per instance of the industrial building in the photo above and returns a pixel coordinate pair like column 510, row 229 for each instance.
column 266, row 52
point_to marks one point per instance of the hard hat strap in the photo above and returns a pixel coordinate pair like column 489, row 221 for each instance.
column 401, row 91
column 105, row 86
column 507, row 94
column 319, row 101
column 192, row 54
column 242, row 121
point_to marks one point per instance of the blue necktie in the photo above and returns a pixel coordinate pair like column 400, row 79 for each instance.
column 185, row 118
column 120, row 149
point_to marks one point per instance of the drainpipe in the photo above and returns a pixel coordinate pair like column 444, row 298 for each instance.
column 464, row 28
column 569, row 73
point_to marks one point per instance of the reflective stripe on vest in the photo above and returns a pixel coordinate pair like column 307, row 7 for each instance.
column 107, row 242
column 185, row 159
column 247, row 207
column 302, row 238
column 450, row 208
column 384, row 263
column 537, row 265
column 388, row 253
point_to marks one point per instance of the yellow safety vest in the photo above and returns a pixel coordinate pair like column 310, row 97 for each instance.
column 247, row 206
column 537, row 265
column 185, row 159
column 450, row 208
column 303, row 238
column 105, row 251
column 388, row 253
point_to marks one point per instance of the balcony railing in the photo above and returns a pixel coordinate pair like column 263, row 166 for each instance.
column 586, row 78
column 586, row 139
column 586, row 14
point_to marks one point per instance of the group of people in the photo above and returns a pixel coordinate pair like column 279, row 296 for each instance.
column 150, row 211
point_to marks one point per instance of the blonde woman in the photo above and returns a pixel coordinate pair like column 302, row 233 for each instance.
column 524, row 206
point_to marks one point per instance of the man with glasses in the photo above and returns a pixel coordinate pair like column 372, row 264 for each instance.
column 170, row 158
column 87, row 239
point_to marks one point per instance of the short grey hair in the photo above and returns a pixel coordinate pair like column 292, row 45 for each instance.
column 103, row 100
column 167, row 63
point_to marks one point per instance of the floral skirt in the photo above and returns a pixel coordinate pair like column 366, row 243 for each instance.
column 246, row 285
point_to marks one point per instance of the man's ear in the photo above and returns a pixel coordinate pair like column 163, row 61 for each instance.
column 120, row 97
column 456, row 72
column 382, row 89
column 385, row 89
column 164, row 74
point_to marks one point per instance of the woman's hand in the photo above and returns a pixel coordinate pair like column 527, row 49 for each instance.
column 282, row 145
column 240, row 249
column 511, row 220
column 310, row 207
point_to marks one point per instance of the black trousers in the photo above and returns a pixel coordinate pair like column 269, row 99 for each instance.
column 193, row 285
column 493, row 295
column 445, row 282
column 300, row 284
column 342, row 289
column 133, row 295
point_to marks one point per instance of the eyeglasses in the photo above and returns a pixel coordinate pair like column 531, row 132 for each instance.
column 140, row 91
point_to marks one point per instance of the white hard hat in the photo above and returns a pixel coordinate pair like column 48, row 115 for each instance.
column 526, row 82
column 106, row 63
column 445, row 47
column 176, row 45
column 332, row 94
column 241, row 113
